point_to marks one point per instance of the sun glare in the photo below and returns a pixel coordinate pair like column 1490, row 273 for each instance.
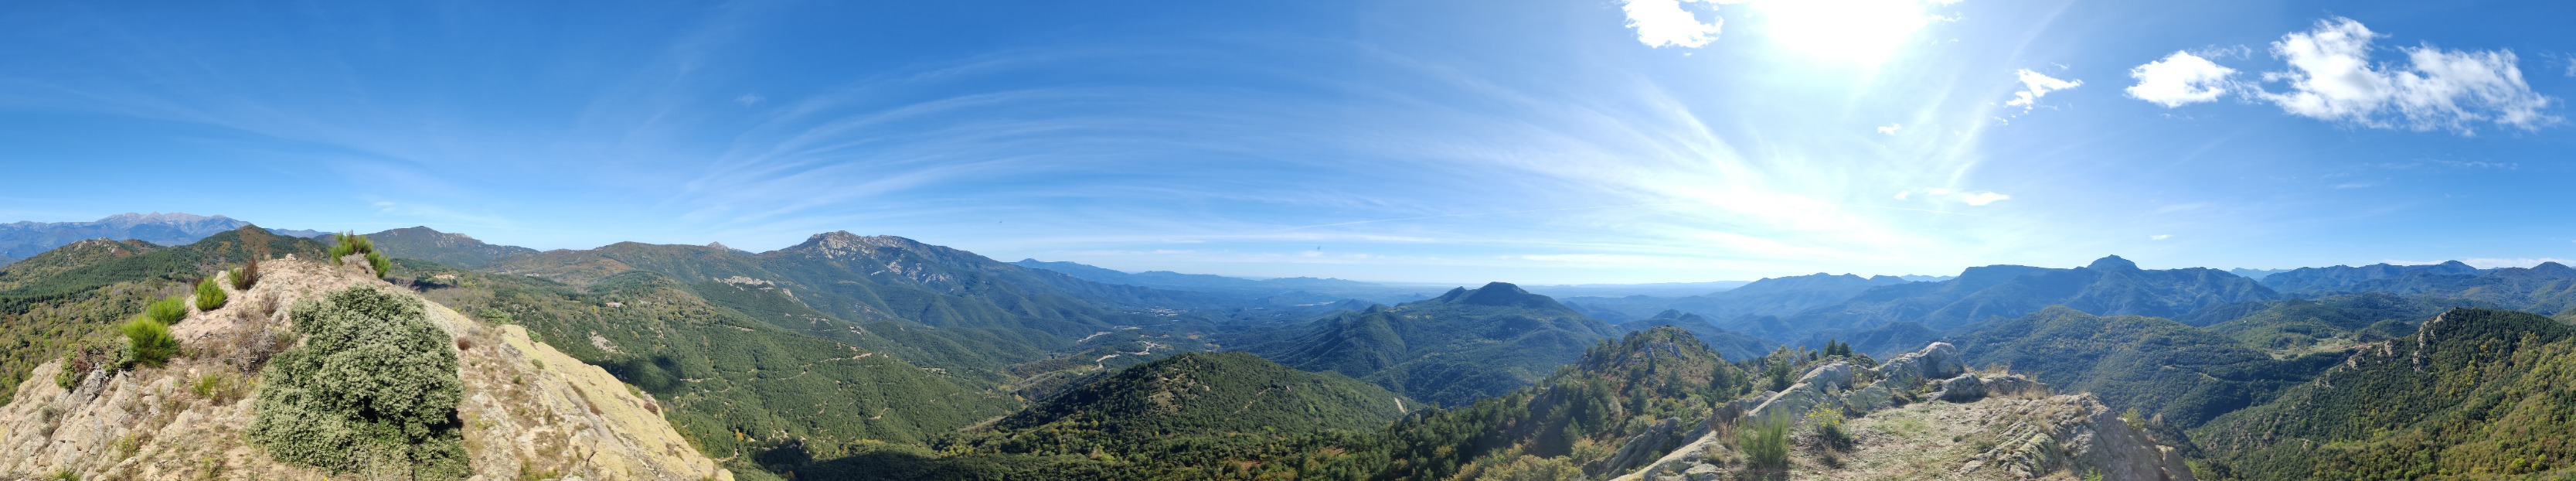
column 1856, row 31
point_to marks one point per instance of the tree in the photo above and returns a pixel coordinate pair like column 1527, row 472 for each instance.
column 209, row 295
column 373, row 382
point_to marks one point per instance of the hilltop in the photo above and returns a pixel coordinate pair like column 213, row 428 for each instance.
column 524, row 407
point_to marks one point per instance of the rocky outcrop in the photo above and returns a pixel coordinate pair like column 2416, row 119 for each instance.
column 2074, row 434
column 529, row 410
column 1992, row 426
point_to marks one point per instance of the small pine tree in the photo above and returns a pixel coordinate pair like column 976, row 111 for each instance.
column 167, row 311
column 347, row 243
column 245, row 276
column 1766, row 444
column 209, row 295
column 149, row 342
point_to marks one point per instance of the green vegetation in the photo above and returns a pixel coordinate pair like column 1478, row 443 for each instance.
column 167, row 311
column 148, row 342
column 736, row 387
column 2109, row 286
column 1454, row 349
column 1141, row 423
column 2477, row 393
column 1827, row 422
column 2162, row 367
column 1182, row 417
column 1765, row 444
column 82, row 291
column 245, row 276
column 209, row 295
column 2298, row 326
column 374, row 383
column 346, row 244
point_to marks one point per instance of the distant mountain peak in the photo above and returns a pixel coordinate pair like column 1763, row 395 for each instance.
column 131, row 218
column 2113, row 263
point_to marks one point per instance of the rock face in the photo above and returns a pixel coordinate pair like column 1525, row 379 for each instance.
column 1992, row 426
column 1963, row 389
column 528, row 409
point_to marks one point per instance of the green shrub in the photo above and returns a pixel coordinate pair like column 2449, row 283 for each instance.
column 349, row 243
column 1828, row 423
column 167, row 311
column 148, row 342
column 1766, row 444
column 209, row 295
column 245, row 276
column 373, row 379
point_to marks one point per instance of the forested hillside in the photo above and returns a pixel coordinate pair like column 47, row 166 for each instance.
column 2473, row 394
column 2157, row 366
column 1454, row 349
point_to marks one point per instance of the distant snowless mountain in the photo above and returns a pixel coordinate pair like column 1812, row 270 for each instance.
column 23, row 239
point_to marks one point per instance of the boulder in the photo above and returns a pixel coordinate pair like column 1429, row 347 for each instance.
column 1937, row 361
column 1962, row 389
column 2012, row 385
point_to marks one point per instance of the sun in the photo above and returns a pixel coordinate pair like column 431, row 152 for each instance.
column 1866, row 32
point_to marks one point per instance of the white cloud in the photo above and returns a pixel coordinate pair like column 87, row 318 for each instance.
column 2333, row 78
column 2034, row 85
column 1662, row 23
column 1960, row 196
column 747, row 99
column 2159, row 237
column 2353, row 185
column 1982, row 198
column 2179, row 79
column 1889, row 129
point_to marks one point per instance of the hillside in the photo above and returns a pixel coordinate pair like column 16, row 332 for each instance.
column 2293, row 327
column 736, row 387
column 1232, row 287
column 441, row 247
column 2341, row 279
column 519, row 408
column 1728, row 344
column 2474, row 393
column 1181, row 417
column 69, row 293
column 1769, row 296
column 2157, row 366
column 2109, row 286
column 2548, row 288
column 1453, row 349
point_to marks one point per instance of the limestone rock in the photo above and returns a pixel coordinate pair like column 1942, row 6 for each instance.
column 1965, row 388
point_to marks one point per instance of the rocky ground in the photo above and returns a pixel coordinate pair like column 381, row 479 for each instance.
column 530, row 412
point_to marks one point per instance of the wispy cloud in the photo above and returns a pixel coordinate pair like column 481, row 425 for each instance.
column 2159, row 237
column 1889, row 129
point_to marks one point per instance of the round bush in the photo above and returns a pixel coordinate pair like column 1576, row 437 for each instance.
column 373, row 382
column 148, row 342
column 209, row 295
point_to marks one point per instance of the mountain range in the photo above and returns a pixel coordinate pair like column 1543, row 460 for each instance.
column 866, row 357
column 23, row 239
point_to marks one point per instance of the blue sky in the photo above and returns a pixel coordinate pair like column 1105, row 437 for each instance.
column 1432, row 141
